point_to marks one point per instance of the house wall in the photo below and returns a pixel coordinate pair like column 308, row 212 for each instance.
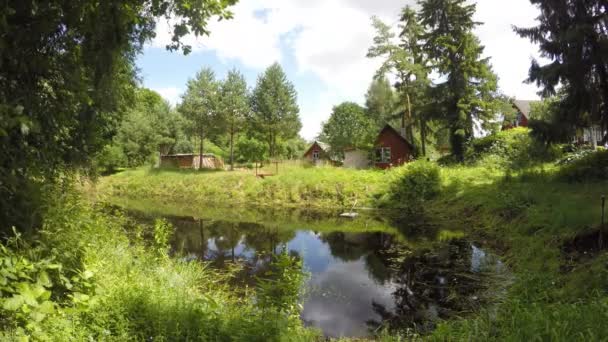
column 315, row 147
column 356, row 159
column 400, row 150
column 182, row 162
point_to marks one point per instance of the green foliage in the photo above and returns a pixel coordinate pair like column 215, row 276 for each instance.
column 110, row 158
column 200, row 106
column 67, row 73
column 86, row 278
column 162, row 236
column 547, row 123
column 275, row 110
column 513, row 149
column 592, row 166
column 348, row 126
column 280, row 286
column 469, row 93
column 571, row 37
column 250, row 150
column 380, row 102
column 414, row 184
column 234, row 106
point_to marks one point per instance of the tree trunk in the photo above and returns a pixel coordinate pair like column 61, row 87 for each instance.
column 410, row 132
column 232, row 147
column 423, row 136
column 200, row 151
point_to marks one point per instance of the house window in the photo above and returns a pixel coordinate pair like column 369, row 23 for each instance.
column 315, row 155
column 383, row 155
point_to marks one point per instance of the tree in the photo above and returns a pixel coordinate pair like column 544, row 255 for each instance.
column 348, row 126
column 234, row 106
column 151, row 124
column 467, row 95
column 66, row 72
column 407, row 62
column 275, row 109
column 573, row 36
column 250, row 150
column 200, row 107
column 380, row 101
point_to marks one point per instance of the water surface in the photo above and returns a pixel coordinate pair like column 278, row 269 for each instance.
column 376, row 270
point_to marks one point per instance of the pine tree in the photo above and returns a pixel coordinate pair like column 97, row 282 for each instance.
column 455, row 53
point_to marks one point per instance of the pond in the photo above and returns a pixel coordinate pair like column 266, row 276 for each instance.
column 377, row 270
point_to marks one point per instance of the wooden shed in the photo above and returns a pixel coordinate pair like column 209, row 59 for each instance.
column 191, row 161
column 392, row 148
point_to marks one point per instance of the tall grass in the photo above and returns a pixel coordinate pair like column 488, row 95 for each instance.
column 133, row 291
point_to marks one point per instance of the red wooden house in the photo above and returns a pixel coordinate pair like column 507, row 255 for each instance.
column 523, row 115
column 392, row 148
column 317, row 153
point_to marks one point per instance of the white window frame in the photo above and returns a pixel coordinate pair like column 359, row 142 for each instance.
column 385, row 155
column 315, row 155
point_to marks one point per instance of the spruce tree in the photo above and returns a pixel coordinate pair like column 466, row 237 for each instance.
column 573, row 36
column 467, row 96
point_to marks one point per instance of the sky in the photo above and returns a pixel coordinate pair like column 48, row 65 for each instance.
column 322, row 46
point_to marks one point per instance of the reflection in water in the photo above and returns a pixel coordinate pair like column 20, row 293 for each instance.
column 359, row 281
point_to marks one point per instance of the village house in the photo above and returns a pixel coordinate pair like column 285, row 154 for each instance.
column 190, row 161
column 523, row 108
column 392, row 148
column 592, row 135
column 318, row 153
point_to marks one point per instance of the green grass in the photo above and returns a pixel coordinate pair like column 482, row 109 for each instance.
column 93, row 280
column 323, row 187
column 525, row 214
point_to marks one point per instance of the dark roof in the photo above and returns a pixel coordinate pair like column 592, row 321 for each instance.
column 391, row 128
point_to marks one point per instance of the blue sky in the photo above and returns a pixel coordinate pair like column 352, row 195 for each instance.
column 321, row 44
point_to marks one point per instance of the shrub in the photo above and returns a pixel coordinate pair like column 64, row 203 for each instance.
column 514, row 148
column 592, row 166
column 414, row 184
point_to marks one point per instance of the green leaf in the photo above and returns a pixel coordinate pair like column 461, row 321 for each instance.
column 13, row 303
column 47, row 307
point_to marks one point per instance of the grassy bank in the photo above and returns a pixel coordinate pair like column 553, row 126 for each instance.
column 294, row 186
column 90, row 276
column 528, row 207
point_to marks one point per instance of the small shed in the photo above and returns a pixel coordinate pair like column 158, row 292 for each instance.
column 317, row 153
column 191, row 161
column 392, row 148
column 355, row 158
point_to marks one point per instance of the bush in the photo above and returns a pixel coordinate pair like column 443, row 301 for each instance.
column 591, row 166
column 414, row 184
column 514, row 148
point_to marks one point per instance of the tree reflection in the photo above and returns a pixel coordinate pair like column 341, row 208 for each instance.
column 431, row 286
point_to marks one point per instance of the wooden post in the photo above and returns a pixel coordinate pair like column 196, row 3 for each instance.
column 601, row 232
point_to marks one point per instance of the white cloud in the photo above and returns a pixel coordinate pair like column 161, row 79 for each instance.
column 330, row 38
column 171, row 94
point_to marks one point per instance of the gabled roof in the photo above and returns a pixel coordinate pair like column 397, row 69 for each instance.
column 388, row 127
column 524, row 106
column 323, row 146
